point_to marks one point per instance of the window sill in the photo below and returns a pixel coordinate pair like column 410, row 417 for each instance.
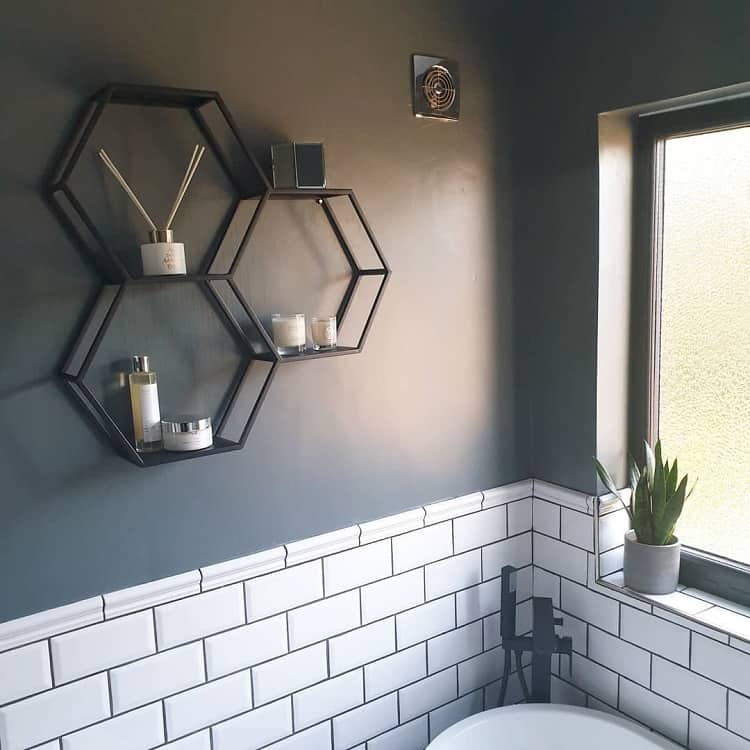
column 729, row 619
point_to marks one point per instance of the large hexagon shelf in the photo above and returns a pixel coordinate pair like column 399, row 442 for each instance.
column 216, row 278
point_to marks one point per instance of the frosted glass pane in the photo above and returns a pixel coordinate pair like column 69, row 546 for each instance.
column 704, row 412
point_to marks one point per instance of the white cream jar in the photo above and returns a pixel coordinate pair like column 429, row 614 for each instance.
column 187, row 433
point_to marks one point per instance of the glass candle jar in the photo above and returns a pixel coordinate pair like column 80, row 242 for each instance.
column 288, row 333
column 323, row 333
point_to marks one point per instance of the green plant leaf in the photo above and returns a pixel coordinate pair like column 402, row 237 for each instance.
column 672, row 513
column 634, row 473
column 671, row 479
column 658, row 495
column 650, row 464
column 642, row 511
column 609, row 483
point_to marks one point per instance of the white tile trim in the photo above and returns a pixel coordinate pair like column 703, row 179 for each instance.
column 51, row 622
column 242, row 568
column 564, row 496
column 325, row 544
column 382, row 528
column 456, row 506
column 507, row 493
column 146, row 595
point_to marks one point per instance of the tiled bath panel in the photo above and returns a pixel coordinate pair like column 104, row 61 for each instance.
column 375, row 637
column 678, row 664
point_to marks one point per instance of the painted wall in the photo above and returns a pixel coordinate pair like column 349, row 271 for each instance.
column 574, row 60
column 426, row 411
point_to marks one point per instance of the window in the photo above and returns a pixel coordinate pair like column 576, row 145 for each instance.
column 697, row 164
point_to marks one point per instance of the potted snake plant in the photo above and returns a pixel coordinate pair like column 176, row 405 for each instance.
column 652, row 551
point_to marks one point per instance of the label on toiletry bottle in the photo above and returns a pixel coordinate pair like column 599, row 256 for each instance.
column 150, row 416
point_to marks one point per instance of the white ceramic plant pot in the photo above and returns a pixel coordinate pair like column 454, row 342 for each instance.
column 651, row 569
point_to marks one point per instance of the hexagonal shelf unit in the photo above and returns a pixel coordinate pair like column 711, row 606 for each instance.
column 241, row 402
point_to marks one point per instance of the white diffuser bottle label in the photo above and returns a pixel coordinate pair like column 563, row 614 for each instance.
column 150, row 417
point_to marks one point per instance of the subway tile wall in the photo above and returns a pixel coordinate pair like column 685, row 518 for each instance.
column 652, row 659
column 375, row 637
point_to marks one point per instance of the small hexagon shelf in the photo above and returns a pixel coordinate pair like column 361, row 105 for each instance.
column 251, row 355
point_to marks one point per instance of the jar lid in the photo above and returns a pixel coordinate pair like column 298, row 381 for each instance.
column 185, row 423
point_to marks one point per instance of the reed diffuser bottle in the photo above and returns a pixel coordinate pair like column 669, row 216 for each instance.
column 144, row 401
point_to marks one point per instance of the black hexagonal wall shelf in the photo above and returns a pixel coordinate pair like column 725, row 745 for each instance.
column 250, row 360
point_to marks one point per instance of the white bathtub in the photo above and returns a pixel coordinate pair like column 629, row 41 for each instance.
column 547, row 727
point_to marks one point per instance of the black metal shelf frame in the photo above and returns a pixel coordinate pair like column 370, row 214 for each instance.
column 215, row 278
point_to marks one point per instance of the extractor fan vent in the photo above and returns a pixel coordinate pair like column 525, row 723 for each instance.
column 435, row 82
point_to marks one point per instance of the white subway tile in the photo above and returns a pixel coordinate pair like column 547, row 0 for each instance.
column 318, row 546
column 362, row 645
column 731, row 622
column 723, row 664
column 739, row 714
column 620, row 656
column 561, row 558
column 515, row 551
column 54, row 745
column 149, row 679
column 456, row 506
column 423, row 622
column 612, row 528
column 575, row 629
column 41, row 625
column 658, row 713
column 707, row 736
column 480, row 670
column 242, row 568
column 614, row 588
column 546, row 517
column 422, row 546
column 392, row 595
column 197, row 741
column 688, row 689
column 594, row 608
column 563, row 692
column 478, row 601
column 594, row 679
column 577, row 528
column 135, row 730
column 611, row 561
column 524, row 617
column 207, row 704
column 563, row 496
column 199, row 615
column 480, row 529
column 454, row 646
column 364, row 722
column 514, row 693
column 151, row 594
column 98, row 647
column 347, row 570
column 395, row 671
column 524, row 582
column 739, row 643
column 656, row 635
column 455, row 573
column 278, row 592
column 520, row 517
column 255, row 728
column 246, row 646
column 383, row 528
column 24, row 671
column 491, row 631
column 455, row 711
column 507, row 493
column 65, row 709
column 547, row 584
column 289, row 673
column 317, row 738
column 328, row 699
column 411, row 736
column 427, row 694
column 314, row 622
column 687, row 605
column 691, row 624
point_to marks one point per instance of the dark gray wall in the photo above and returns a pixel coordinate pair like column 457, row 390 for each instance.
column 426, row 411
column 576, row 59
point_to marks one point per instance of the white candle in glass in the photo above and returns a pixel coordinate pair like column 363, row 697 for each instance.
column 323, row 332
column 288, row 333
